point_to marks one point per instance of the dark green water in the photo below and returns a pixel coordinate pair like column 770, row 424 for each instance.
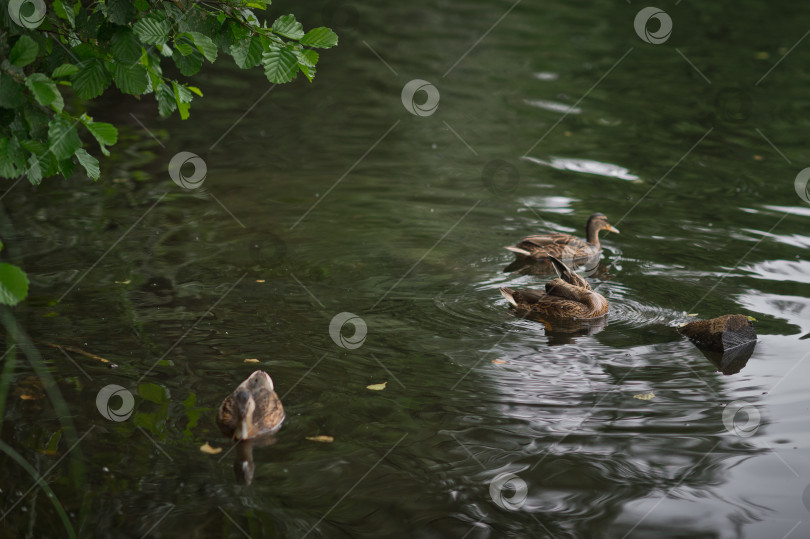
column 339, row 200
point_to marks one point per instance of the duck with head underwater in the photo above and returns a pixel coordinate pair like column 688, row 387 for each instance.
column 253, row 410
column 568, row 298
column 541, row 247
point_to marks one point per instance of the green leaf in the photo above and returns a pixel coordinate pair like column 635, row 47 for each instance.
column 130, row 79
column 125, row 47
column 205, row 45
column 66, row 167
column 151, row 31
column 23, row 52
column 45, row 91
column 13, row 284
column 12, row 158
column 196, row 90
column 186, row 56
column 64, row 70
column 89, row 163
column 34, row 171
column 120, row 11
column 287, row 26
column 280, row 64
column 65, row 12
column 321, row 38
column 11, row 92
column 63, row 139
column 165, row 99
column 92, row 79
column 247, row 52
column 307, row 59
column 153, row 393
column 106, row 134
column 182, row 97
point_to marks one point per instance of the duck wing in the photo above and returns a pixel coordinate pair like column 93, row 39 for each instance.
column 226, row 417
column 269, row 413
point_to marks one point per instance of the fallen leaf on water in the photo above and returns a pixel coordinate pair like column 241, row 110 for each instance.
column 751, row 318
column 124, row 282
column 321, row 438
column 644, row 396
column 206, row 448
column 259, row 280
column 251, row 360
column 758, row 158
column 691, row 314
column 377, row 387
column 498, row 361
column 27, row 397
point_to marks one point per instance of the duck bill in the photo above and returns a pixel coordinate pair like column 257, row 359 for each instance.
column 613, row 229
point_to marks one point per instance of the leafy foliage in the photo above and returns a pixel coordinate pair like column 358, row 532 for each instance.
column 82, row 49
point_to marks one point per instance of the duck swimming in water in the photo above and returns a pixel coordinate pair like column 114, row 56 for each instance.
column 568, row 297
column 252, row 410
column 541, row 247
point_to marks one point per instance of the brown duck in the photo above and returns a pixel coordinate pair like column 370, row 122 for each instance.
column 568, row 297
column 252, row 410
column 565, row 246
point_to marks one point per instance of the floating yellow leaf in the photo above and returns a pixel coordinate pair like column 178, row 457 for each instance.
column 377, row 387
column 259, row 280
column 251, row 360
column 644, row 396
column 124, row 282
column 27, row 397
column 691, row 314
column 498, row 361
column 751, row 318
column 321, row 438
column 206, row 448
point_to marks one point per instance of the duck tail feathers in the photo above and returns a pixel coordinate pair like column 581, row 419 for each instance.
column 509, row 294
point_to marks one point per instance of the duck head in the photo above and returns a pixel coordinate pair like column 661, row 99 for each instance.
column 597, row 222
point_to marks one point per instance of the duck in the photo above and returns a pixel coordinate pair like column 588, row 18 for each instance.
column 253, row 410
column 568, row 297
column 541, row 247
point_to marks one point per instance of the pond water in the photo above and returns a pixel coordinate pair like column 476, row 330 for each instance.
column 331, row 197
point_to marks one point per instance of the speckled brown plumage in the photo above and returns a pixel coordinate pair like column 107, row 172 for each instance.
column 567, row 297
column 565, row 247
column 252, row 410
